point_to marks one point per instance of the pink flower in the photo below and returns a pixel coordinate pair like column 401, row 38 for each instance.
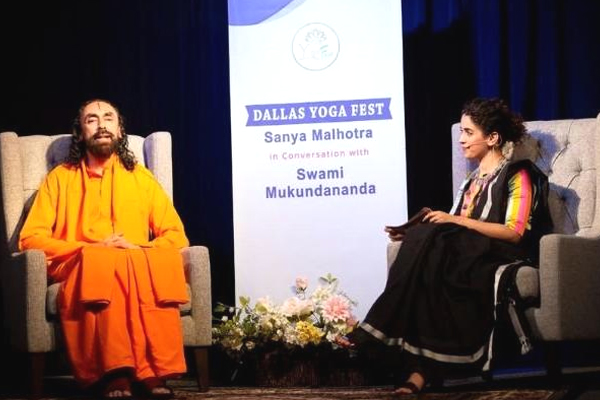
column 351, row 321
column 301, row 283
column 336, row 308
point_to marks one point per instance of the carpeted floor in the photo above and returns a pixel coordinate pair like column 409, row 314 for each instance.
column 371, row 393
column 187, row 390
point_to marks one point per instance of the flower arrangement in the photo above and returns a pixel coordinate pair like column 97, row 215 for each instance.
column 303, row 320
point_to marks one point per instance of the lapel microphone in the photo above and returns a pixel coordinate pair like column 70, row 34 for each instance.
column 474, row 143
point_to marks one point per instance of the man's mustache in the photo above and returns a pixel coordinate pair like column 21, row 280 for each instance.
column 102, row 132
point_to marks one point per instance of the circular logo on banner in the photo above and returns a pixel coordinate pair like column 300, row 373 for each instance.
column 315, row 46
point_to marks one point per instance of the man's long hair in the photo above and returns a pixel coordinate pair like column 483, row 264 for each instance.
column 77, row 150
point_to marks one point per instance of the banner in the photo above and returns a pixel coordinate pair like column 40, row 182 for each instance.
column 318, row 144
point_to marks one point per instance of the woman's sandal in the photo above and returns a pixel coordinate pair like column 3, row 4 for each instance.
column 118, row 388
column 150, row 385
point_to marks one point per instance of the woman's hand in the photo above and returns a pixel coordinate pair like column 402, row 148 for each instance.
column 490, row 229
column 440, row 217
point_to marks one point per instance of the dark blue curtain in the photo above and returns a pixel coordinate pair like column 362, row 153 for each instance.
column 165, row 63
column 541, row 56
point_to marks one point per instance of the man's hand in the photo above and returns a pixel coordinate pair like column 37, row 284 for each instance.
column 116, row 240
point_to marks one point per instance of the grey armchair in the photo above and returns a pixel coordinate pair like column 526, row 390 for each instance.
column 29, row 300
column 568, row 279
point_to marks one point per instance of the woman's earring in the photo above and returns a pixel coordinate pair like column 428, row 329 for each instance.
column 496, row 146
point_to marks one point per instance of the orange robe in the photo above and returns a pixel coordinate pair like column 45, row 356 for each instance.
column 118, row 307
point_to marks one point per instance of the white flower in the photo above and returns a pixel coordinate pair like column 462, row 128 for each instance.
column 295, row 307
column 321, row 294
column 265, row 323
column 331, row 336
column 264, row 305
column 224, row 318
column 289, row 335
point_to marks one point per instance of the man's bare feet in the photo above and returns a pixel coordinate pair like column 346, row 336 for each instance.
column 118, row 394
column 414, row 384
column 118, row 388
column 156, row 388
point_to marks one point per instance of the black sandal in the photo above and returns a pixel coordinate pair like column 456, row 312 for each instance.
column 410, row 386
column 413, row 389
column 152, row 383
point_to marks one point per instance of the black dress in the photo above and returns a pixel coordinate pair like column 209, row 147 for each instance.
column 442, row 298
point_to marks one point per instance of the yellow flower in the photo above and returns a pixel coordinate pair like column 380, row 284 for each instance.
column 308, row 333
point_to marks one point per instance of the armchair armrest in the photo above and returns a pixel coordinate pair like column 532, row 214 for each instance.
column 25, row 282
column 392, row 252
column 196, row 263
column 569, row 282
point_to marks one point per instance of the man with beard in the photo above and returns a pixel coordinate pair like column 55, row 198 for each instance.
column 112, row 237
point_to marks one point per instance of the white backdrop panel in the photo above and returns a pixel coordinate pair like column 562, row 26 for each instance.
column 318, row 144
